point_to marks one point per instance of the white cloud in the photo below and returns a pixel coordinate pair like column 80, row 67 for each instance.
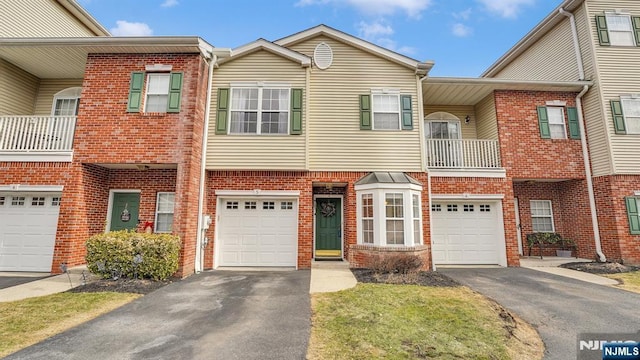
column 506, row 8
column 461, row 30
column 125, row 28
column 413, row 8
column 463, row 15
column 375, row 29
column 169, row 3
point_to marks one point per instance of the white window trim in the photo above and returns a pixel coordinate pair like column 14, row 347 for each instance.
column 553, row 225
column 429, row 121
column 618, row 12
column 417, row 217
column 362, row 218
column 388, row 92
column 562, row 117
column 72, row 93
column 379, row 212
column 158, row 212
column 260, row 86
column 630, row 97
column 146, row 88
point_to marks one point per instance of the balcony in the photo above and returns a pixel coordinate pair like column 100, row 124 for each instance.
column 37, row 138
column 463, row 155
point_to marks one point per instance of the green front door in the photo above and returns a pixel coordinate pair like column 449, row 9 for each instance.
column 125, row 210
column 328, row 227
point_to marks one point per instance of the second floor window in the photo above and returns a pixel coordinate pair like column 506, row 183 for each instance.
column 556, row 122
column 386, row 111
column 632, row 115
column 259, row 111
column 157, row 92
column 620, row 30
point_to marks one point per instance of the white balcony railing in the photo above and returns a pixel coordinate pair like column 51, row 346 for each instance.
column 462, row 154
column 36, row 135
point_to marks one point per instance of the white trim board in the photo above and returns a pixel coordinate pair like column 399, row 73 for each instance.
column 31, row 188
column 464, row 197
column 257, row 192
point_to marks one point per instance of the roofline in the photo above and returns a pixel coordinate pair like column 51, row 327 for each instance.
column 578, row 84
column 422, row 68
column 85, row 18
column 531, row 37
column 180, row 43
column 262, row 44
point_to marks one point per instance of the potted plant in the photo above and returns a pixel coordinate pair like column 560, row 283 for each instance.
column 541, row 239
column 566, row 247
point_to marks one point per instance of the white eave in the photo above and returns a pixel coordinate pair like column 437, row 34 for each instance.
column 262, row 44
column 532, row 37
column 421, row 68
column 470, row 91
column 66, row 57
column 84, row 17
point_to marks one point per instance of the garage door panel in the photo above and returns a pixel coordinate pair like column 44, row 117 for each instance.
column 466, row 237
column 268, row 234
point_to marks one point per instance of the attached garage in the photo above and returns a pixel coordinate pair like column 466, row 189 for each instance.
column 28, row 224
column 257, row 232
column 468, row 233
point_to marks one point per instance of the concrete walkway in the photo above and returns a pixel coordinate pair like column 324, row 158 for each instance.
column 551, row 265
column 330, row 276
column 43, row 286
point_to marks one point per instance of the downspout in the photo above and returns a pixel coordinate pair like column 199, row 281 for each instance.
column 424, row 163
column 200, row 244
column 583, row 138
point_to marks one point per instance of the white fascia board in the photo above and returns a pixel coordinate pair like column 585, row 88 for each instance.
column 54, row 156
column 304, row 60
column 31, row 188
column 499, row 173
column 257, row 193
column 467, row 196
column 422, row 67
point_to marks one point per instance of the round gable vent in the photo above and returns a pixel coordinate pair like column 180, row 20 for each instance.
column 323, row 56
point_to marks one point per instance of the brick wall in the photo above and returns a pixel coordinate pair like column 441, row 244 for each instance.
column 617, row 243
column 525, row 155
column 363, row 256
column 303, row 182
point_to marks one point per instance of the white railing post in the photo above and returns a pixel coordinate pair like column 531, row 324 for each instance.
column 462, row 153
column 37, row 133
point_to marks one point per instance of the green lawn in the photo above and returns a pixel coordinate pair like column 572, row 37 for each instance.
column 629, row 281
column 416, row 322
column 26, row 322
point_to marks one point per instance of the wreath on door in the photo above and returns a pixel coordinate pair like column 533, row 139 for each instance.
column 327, row 209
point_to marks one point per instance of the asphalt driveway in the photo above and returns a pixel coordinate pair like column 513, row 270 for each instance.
column 558, row 307
column 212, row 315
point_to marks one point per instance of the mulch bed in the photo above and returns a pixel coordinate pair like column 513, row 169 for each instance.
column 600, row 268
column 424, row 278
column 94, row 283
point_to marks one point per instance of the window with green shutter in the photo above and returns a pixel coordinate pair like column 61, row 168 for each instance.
column 552, row 122
column 633, row 214
column 222, row 113
column 618, row 29
column 296, row 112
column 386, row 111
column 574, row 126
column 543, row 122
column 365, row 112
column 603, row 31
column 135, row 91
column 162, row 92
column 618, row 117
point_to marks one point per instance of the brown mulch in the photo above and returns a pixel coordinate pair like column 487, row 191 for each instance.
column 600, row 268
column 423, row 278
column 94, row 283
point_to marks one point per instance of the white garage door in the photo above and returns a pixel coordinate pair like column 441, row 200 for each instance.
column 28, row 224
column 258, row 232
column 467, row 233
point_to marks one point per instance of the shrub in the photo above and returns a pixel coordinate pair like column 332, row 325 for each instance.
column 112, row 255
column 399, row 264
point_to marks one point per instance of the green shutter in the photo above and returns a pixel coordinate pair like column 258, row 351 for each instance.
column 407, row 113
column 296, row 112
column 603, row 32
column 632, row 213
column 222, row 115
column 635, row 20
column 574, row 127
column 618, row 117
column 175, row 90
column 543, row 122
column 135, row 92
column 365, row 112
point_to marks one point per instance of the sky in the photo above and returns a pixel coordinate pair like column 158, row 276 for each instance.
column 463, row 37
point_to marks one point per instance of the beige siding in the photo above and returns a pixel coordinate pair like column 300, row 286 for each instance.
column 48, row 89
column 256, row 152
column 468, row 130
column 38, row 18
column 618, row 73
column 487, row 127
column 551, row 58
column 335, row 139
column 18, row 90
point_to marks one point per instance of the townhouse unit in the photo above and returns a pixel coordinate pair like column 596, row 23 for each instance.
column 595, row 40
column 319, row 145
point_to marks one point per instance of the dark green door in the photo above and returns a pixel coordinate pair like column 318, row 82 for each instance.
column 125, row 211
column 328, row 227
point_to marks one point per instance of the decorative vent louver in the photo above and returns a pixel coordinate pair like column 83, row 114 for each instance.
column 323, row 56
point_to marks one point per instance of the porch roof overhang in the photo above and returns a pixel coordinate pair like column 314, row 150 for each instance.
column 470, row 91
column 380, row 177
column 65, row 58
